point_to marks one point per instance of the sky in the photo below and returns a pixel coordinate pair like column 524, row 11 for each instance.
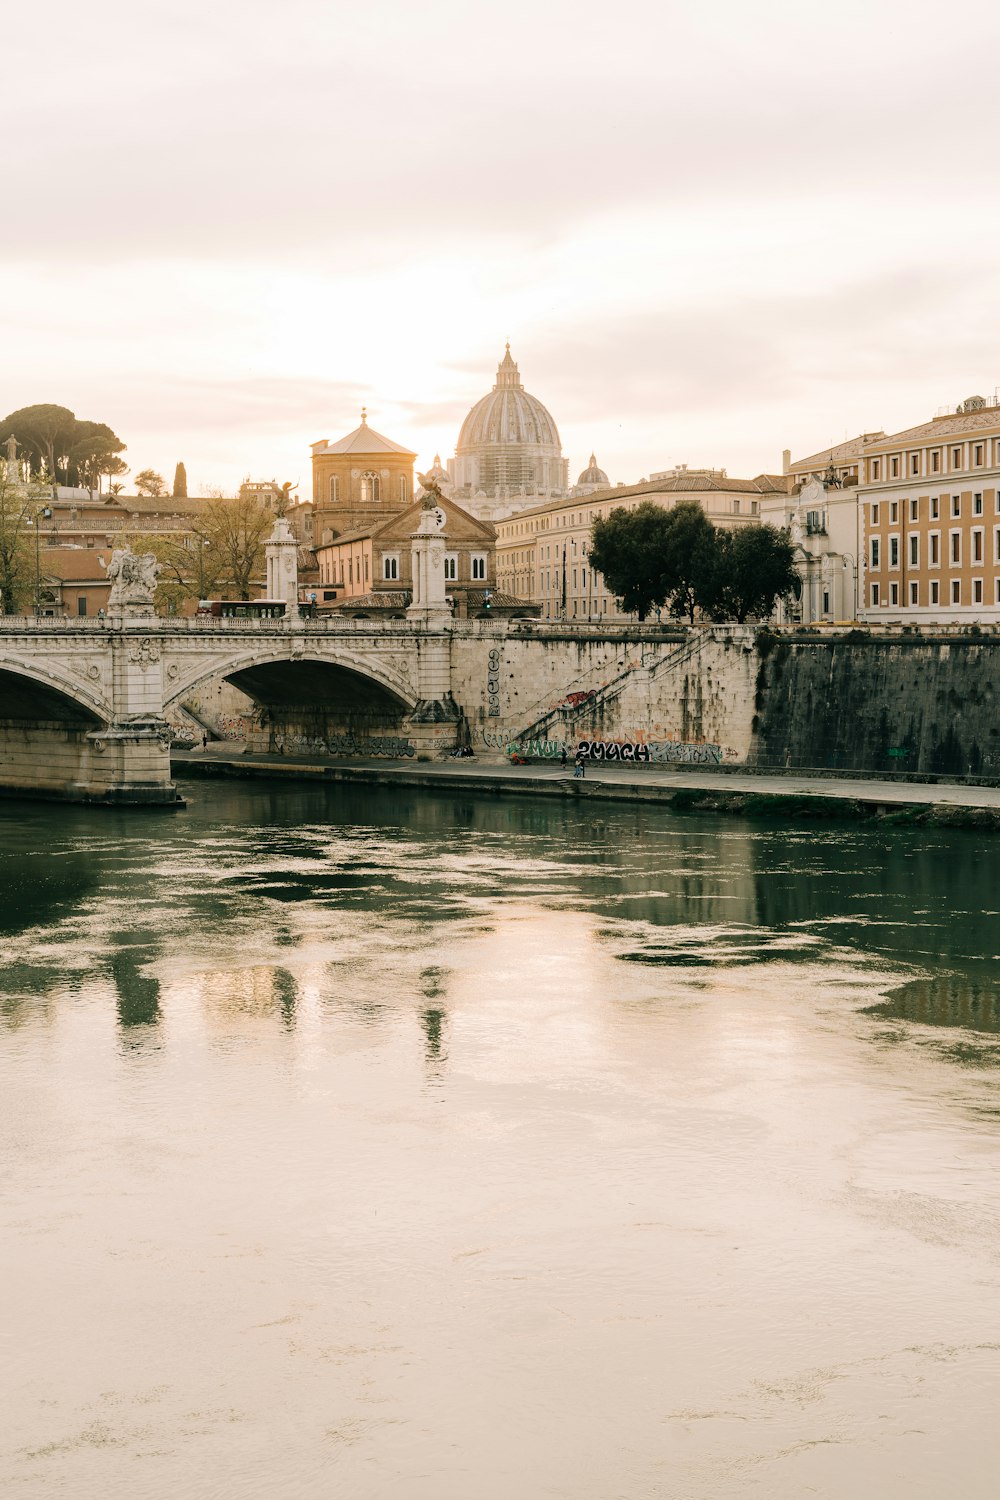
column 710, row 232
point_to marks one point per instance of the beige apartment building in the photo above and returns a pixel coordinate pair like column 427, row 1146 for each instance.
column 929, row 503
column 542, row 552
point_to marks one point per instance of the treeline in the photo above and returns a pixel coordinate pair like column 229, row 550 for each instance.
column 61, row 448
column 655, row 559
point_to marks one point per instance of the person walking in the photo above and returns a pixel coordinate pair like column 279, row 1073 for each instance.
column 579, row 767
column 562, row 756
column 204, row 742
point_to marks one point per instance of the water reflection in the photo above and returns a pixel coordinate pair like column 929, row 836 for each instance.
column 669, row 1143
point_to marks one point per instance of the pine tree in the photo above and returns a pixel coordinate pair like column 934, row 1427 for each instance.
column 180, row 483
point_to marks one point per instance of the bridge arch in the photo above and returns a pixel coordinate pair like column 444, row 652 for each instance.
column 287, row 676
column 37, row 693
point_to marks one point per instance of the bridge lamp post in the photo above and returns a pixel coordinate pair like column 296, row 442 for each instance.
column 46, row 512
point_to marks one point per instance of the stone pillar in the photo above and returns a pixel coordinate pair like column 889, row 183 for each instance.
column 429, row 604
column 282, row 552
column 433, row 725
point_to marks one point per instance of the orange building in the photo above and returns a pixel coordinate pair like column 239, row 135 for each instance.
column 930, row 519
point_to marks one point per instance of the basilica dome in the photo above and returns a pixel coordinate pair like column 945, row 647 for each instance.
column 593, row 475
column 509, row 443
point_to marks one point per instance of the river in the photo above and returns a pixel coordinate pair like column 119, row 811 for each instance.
column 399, row 1146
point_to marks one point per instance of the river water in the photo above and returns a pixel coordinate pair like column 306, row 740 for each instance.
column 407, row 1147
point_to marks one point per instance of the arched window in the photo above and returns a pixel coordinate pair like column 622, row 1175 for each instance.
column 334, row 489
column 369, row 488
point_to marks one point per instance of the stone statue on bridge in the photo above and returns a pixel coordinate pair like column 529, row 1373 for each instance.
column 132, row 577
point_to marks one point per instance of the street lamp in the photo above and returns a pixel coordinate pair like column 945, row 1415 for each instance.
column 46, row 512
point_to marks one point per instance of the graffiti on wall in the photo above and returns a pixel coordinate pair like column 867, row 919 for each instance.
column 344, row 744
column 659, row 752
column 493, row 685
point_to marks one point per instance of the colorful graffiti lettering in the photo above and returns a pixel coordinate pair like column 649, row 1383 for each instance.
column 676, row 752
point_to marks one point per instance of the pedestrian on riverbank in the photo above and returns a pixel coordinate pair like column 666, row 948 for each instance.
column 204, row 742
column 562, row 756
column 579, row 767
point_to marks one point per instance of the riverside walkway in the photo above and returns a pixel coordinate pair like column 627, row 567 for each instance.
column 607, row 782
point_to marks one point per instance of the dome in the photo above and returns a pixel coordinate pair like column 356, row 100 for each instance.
column 593, row 475
column 508, row 415
column 509, row 442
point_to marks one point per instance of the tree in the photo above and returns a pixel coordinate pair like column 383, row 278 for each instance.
column 46, row 432
column 753, row 569
column 236, row 529
column 93, row 453
column 20, row 510
column 689, row 562
column 180, row 483
column 628, row 548
column 189, row 567
column 652, row 557
column 56, row 443
column 148, row 482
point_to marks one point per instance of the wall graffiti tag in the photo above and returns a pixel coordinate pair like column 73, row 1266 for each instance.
column 393, row 746
column 493, row 685
column 660, row 752
column 645, row 752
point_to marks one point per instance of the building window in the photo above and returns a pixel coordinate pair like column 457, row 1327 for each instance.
column 996, row 544
column 874, row 562
column 956, row 458
column 956, row 591
column 334, row 489
column 893, row 512
column 371, row 488
column 402, row 489
column 935, row 546
column 478, row 568
column 875, row 513
column 935, row 462
column 935, row 591
column 977, row 544
column 914, row 551
column 874, row 593
column 996, row 590
column 894, row 468
column 894, row 593
column 935, row 507
column 977, row 455
column 894, row 552
column 754, row 507
column 875, row 469
column 736, row 507
column 81, row 605
column 451, row 566
column 390, row 567
column 914, row 510
column 956, row 547
column 914, row 463
column 956, row 505
column 977, row 591
column 826, row 601
column 914, row 593
column 977, row 505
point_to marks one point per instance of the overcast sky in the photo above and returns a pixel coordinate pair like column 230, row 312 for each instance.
column 710, row 231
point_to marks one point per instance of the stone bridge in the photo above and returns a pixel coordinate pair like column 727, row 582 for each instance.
column 85, row 703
